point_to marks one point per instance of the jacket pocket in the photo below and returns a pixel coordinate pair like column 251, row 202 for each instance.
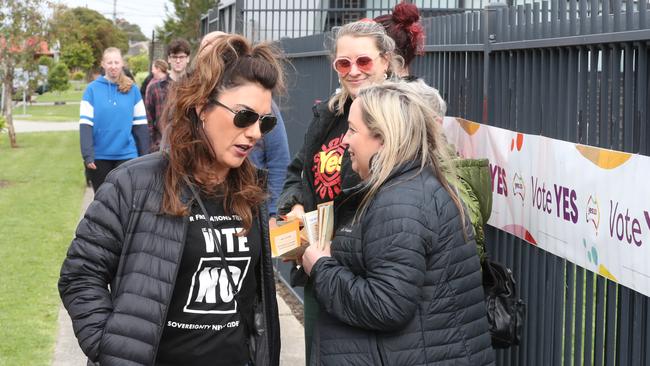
column 347, row 248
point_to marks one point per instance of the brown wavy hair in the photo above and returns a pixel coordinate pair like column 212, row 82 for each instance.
column 229, row 62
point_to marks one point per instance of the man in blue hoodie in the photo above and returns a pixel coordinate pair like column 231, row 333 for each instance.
column 113, row 121
column 272, row 153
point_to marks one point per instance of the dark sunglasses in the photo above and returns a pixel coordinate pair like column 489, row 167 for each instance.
column 343, row 65
column 245, row 118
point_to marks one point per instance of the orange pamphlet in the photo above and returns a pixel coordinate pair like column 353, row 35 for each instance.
column 285, row 240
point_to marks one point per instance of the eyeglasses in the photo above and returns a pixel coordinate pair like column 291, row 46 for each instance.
column 245, row 118
column 343, row 65
column 178, row 57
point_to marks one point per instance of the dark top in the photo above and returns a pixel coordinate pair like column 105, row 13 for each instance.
column 305, row 184
column 204, row 324
column 326, row 164
column 145, row 83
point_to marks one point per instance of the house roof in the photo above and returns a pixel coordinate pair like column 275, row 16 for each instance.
column 40, row 45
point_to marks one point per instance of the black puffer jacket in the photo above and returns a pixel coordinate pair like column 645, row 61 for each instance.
column 124, row 242
column 403, row 286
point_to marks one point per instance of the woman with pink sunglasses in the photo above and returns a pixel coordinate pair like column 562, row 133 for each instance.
column 363, row 55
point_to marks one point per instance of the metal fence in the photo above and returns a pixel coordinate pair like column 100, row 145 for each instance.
column 576, row 71
column 273, row 20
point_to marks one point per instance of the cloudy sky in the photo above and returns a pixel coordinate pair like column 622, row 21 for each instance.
column 145, row 13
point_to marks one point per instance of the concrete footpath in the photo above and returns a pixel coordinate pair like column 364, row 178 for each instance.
column 68, row 353
column 42, row 126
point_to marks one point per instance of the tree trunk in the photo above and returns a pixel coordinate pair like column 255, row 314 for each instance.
column 8, row 98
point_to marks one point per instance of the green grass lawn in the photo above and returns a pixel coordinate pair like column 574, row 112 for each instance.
column 41, row 187
column 73, row 94
column 48, row 113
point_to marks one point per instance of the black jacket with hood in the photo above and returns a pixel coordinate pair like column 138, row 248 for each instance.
column 403, row 285
column 124, row 242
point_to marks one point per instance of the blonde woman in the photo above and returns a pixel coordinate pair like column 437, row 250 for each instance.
column 402, row 283
column 113, row 121
column 362, row 54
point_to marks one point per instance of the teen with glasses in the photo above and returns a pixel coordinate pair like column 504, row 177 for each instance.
column 178, row 57
column 171, row 263
column 362, row 55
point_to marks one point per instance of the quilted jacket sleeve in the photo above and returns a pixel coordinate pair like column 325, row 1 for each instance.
column 92, row 261
column 395, row 242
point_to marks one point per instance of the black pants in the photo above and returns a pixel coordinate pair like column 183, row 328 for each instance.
column 97, row 176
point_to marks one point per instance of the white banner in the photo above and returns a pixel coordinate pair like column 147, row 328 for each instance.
column 588, row 205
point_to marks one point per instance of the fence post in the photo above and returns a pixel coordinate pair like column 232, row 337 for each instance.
column 489, row 36
column 151, row 49
column 239, row 16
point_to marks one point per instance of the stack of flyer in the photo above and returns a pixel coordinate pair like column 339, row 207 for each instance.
column 318, row 229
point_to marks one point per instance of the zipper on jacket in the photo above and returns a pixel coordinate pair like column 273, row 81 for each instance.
column 264, row 233
column 186, row 221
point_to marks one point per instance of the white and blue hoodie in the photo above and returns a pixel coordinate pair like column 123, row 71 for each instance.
column 112, row 125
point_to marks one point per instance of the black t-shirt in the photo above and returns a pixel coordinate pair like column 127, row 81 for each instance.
column 326, row 164
column 204, row 324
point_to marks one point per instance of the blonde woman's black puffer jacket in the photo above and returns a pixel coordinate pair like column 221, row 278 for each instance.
column 403, row 285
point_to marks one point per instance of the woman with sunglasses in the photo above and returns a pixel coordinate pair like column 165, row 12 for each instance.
column 401, row 284
column 171, row 263
column 362, row 55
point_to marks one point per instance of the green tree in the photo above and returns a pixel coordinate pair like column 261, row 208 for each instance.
column 138, row 63
column 133, row 31
column 78, row 56
column 46, row 61
column 21, row 32
column 185, row 20
column 83, row 25
column 59, row 77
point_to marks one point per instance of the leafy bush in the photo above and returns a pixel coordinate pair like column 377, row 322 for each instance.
column 58, row 78
column 78, row 56
column 139, row 77
column 138, row 63
column 78, row 75
column 46, row 61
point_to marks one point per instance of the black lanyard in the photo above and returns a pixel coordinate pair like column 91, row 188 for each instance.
column 214, row 238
